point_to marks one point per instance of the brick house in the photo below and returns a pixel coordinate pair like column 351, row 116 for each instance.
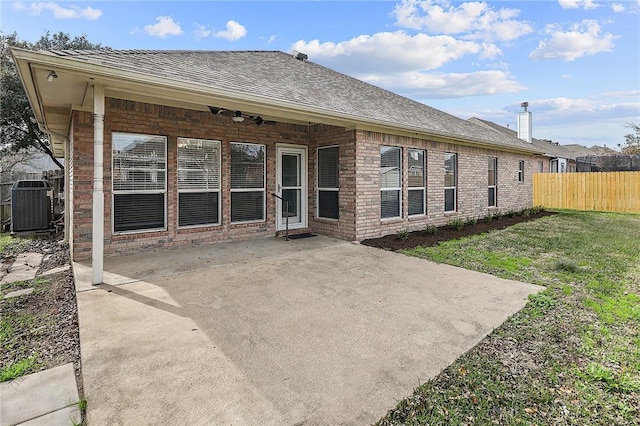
column 174, row 148
column 551, row 157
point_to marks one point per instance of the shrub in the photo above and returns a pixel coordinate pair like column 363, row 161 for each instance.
column 471, row 221
column 431, row 230
column 403, row 234
column 456, row 224
column 488, row 218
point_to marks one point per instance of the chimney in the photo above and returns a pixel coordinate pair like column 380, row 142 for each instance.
column 524, row 124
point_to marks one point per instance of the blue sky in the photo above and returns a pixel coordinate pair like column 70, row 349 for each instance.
column 577, row 62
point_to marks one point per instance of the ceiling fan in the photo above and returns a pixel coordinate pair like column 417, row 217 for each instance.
column 238, row 117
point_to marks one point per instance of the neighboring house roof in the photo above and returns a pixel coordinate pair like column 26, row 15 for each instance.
column 29, row 161
column 265, row 79
column 583, row 151
column 548, row 148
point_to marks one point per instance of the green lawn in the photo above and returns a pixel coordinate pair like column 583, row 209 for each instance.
column 572, row 355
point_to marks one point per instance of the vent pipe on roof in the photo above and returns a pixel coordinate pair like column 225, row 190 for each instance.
column 524, row 124
column 300, row 56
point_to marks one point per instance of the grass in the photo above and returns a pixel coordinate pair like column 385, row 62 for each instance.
column 18, row 368
column 8, row 242
column 572, row 355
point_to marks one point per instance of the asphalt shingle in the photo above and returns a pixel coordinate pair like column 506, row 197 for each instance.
column 278, row 76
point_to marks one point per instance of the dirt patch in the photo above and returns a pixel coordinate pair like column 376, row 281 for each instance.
column 44, row 323
column 435, row 236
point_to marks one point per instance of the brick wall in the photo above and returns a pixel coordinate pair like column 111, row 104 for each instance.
column 135, row 117
column 471, row 189
column 359, row 194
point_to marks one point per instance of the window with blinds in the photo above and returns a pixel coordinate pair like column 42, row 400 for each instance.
column 139, row 181
column 492, row 181
column 521, row 170
column 450, row 181
column 390, row 182
column 328, row 183
column 417, row 183
column 198, row 182
column 247, row 182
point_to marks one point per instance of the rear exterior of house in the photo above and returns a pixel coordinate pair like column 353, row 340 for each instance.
column 350, row 160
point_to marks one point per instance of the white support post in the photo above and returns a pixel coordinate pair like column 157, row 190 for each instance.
column 97, row 239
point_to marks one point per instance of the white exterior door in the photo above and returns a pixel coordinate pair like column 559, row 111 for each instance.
column 291, row 186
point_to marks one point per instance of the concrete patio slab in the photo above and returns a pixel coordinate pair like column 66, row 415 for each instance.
column 31, row 397
column 325, row 332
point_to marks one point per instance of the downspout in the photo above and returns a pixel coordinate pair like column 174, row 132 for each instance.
column 97, row 243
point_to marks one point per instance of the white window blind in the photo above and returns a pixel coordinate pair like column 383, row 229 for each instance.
column 247, row 182
column 198, row 182
column 328, row 182
column 417, row 182
column 450, row 181
column 390, row 182
column 139, row 169
column 492, row 181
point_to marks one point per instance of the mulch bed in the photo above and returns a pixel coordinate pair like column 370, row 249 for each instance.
column 444, row 233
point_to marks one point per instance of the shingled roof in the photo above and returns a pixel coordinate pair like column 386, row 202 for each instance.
column 278, row 76
column 548, row 148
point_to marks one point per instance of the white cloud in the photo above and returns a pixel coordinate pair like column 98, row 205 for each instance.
column 418, row 85
column 390, row 51
column 618, row 8
column 165, row 26
column 475, row 20
column 581, row 39
column 575, row 4
column 201, row 31
column 59, row 12
column 234, row 31
column 567, row 76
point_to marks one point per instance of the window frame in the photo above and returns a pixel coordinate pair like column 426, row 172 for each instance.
column 422, row 188
column 199, row 190
column 521, row 170
column 455, row 182
column 115, row 192
column 493, row 187
column 236, row 190
column 397, row 189
column 326, row 189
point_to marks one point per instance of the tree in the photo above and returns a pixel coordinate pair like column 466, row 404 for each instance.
column 19, row 129
column 632, row 140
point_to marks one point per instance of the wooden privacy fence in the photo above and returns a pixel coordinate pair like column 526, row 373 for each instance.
column 608, row 191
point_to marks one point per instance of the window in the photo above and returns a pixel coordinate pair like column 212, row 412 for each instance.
column 553, row 166
column 540, row 166
column 521, row 171
column 492, row 182
column 450, row 181
column 198, row 182
column 328, row 182
column 417, row 182
column 139, row 170
column 247, row 182
column 390, row 182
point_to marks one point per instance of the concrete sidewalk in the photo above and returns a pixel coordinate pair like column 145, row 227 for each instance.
column 323, row 332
